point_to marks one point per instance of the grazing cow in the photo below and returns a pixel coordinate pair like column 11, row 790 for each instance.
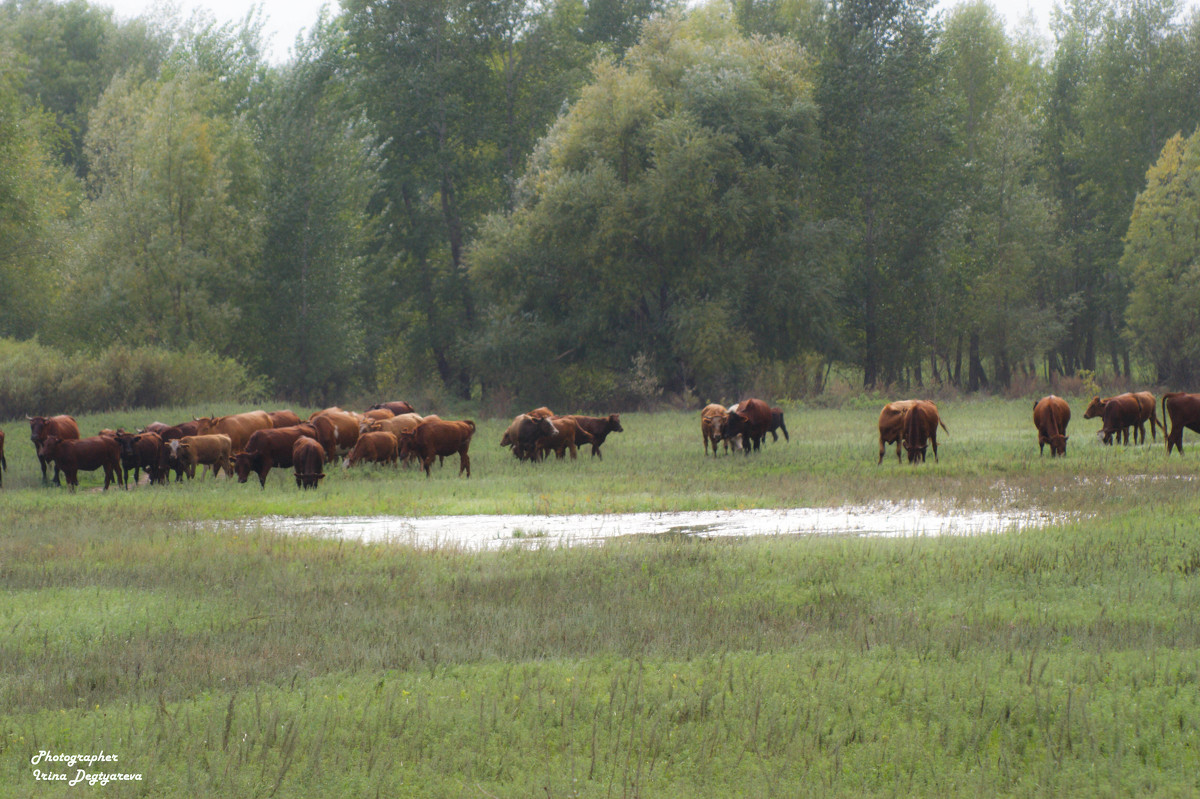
column 267, row 449
column 750, row 420
column 566, row 433
column 397, row 407
column 3, row 462
column 337, row 431
column 928, row 419
column 41, row 427
column 522, row 435
column 374, row 447
column 210, row 449
column 1050, row 416
column 73, row 455
column 777, row 424
column 712, row 426
column 308, row 461
column 283, row 419
column 598, row 427
column 139, row 451
column 1120, row 413
column 434, row 438
column 891, row 426
column 238, row 427
column 1184, row 411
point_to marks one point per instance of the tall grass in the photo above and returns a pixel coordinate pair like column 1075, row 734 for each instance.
column 1051, row 662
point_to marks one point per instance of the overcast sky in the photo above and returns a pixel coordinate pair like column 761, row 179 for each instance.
column 286, row 18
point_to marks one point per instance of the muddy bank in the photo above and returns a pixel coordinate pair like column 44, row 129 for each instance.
column 494, row 532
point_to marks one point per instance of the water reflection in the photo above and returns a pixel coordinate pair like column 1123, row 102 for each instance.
column 494, row 532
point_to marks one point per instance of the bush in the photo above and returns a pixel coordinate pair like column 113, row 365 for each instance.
column 43, row 380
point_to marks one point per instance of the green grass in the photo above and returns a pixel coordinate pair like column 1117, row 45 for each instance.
column 1054, row 662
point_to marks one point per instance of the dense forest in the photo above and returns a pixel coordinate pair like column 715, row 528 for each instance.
column 605, row 201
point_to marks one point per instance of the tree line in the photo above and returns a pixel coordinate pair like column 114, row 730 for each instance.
column 612, row 200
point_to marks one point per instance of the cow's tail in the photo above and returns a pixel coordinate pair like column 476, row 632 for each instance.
column 943, row 424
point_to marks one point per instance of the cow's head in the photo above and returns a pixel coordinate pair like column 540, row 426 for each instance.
column 48, row 448
column 37, row 428
column 127, row 442
column 305, row 480
column 1058, row 444
column 1095, row 408
column 243, row 464
column 206, row 424
column 614, row 423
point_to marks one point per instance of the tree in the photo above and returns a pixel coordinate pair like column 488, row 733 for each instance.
column 1162, row 257
column 663, row 220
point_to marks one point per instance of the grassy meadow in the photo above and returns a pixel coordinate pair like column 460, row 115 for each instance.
column 1052, row 662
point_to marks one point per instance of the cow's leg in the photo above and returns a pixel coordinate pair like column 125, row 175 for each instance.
column 596, row 451
column 933, row 440
column 464, row 462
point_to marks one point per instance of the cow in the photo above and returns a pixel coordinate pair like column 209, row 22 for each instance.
column 749, row 419
column 267, row 449
column 3, row 462
column 712, row 426
column 777, row 424
column 139, row 451
column 893, row 422
column 209, row 449
column 522, row 435
column 566, row 433
column 1184, row 411
column 238, row 427
column 434, row 438
column 598, row 427
column 1122, row 412
column 397, row 407
column 308, row 461
column 73, row 455
column 337, row 430
column 393, row 424
column 922, row 422
column 41, row 427
column 374, row 447
column 156, row 427
column 1050, row 416
column 541, row 413
column 167, row 459
column 286, row 418
column 373, row 414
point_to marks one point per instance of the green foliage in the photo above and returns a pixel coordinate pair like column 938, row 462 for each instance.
column 46, row 381
column 1162, row 261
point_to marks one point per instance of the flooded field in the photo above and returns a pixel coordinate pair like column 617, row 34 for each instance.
column 494, row 532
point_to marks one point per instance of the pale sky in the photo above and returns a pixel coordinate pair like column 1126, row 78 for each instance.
column 286, row 18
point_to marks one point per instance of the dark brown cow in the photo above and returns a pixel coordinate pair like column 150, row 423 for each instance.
column 73, row 455
column 1122, row 412
column 566, row 433
column 308, row 461
column 239, row 427
column 522, row 435
column 267, row 449
column 712, row 426
column 750, row 419
column 139, row 451
column 285, row 418
column 777, row 424
column 928, row 419
column 1184, row 411
column 158, row 427
column 1148, row 413
column 1050, row 416
column 373, row 447
column 432, row 439
column 891, row 426
column 397, row 407
column 3, row 462
column 598, row 427
column 337, row 431
column 41, row 427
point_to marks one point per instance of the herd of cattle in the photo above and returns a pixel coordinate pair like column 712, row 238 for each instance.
column 258, row 441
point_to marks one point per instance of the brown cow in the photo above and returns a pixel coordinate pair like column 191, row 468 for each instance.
column 749, row 419
column 1050, row 416
column 522, row 435
column 920, row 430
column 891, row 426
column 374, row 414
column 393, row 424
column 1122, row 412
column 211, row 449
column 238, row 427
column 777, row 424
column 712, row 426
column 434, row 438
column 267, row 449
column 308, row 461
column 598, row 427
column 1184, row 411
column 566, row 433
column 541, row 413
column 167, row 460
column 3, row 462
column 374, row 447
column 139, row 451
column 87, row 454
column 283, row 419
column 41, row 427
column 337, row 430
column 397, row 407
